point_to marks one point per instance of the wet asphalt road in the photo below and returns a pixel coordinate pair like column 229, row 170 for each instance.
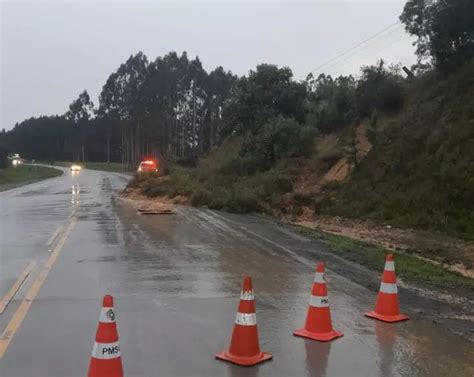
column 176, row 282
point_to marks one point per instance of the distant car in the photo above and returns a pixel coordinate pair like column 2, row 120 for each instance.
column 75, row 167
column 18, row 161
column 147, row 166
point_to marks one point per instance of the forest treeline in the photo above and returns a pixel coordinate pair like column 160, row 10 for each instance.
column 172, row 108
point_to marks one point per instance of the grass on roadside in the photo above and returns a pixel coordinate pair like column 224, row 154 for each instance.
column 18, row 175
column 409, row 267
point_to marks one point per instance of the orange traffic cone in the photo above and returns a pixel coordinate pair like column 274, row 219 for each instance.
column 106, row 360
column 244, row 348
column 387, row 308
column 318, row 320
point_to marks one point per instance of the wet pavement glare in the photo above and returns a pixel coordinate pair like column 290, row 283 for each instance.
column 176, row 283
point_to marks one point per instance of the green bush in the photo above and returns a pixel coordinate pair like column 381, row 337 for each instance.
column 379, row 88
column 200, row 197
column 276, row 182
column 330, row 106
column 277, row 139
column 241, row 201
column 154, row 187
column 181, row 182
column 216, row 202
column 241, row 166
column 139, row 179
column 165, row 170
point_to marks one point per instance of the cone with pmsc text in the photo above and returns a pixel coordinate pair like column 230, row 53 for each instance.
column 244, row 346
column 106, row 360
column 318, row 320
column 387, row 308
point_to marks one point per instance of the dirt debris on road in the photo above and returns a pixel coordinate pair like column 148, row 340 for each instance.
column 150, row 206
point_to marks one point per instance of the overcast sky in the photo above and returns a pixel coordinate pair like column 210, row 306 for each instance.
column 51, row 51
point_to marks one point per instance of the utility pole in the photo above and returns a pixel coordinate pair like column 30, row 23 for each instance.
column 409, row 73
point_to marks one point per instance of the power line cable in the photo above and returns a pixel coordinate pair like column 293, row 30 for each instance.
column 357, row 55
column 360, row 46
column 381, row 40
column 356, row 46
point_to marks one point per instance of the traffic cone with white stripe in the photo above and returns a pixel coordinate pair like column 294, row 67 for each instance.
column 244, row 347
column 387, row 308
column 318, row 320
column 106, row 360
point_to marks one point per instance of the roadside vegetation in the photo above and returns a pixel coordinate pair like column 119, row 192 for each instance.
column 418, row 173
column 409, row 267
column 20, row 175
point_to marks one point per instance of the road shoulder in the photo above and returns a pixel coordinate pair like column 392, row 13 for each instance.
column 12, row 178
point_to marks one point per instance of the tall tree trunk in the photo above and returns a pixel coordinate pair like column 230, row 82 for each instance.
column 108, row 145
column 122, row 150
column 211, row 133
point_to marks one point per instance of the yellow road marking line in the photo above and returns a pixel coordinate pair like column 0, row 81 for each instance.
column 20, row 314
column 14, row 289
column 54, row 235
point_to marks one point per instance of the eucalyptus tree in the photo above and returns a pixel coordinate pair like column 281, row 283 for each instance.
column 80, row 112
